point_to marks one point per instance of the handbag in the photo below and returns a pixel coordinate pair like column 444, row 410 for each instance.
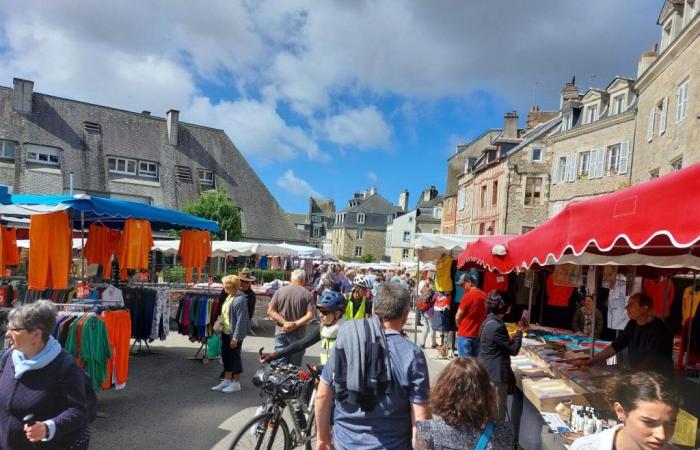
column 485, row 437
column 218, row 325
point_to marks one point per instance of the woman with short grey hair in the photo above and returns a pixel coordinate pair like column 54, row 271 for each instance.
column 39, row 378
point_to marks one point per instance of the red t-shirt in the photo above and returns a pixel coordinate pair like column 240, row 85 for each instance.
column 495, row 282
column 656, row 292
column 557, row 295
column 474, row 306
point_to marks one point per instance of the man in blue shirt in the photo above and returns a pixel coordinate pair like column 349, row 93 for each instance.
column 390, row 423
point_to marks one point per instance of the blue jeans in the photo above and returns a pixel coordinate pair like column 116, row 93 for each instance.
column 283, row 340
column 467, row 347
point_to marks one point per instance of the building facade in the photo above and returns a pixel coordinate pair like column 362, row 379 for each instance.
column 360, row 229
column 49, row 144
column 401, row 233
column 668, row 118
column 592, row 150
column 448, row 224
column 321, row 218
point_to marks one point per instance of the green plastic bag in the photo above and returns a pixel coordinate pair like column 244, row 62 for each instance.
column 214, row 347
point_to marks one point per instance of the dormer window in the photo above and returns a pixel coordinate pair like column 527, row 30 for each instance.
column 666, row 34
column 567, row 121
column 618, row 104
column 591, row 113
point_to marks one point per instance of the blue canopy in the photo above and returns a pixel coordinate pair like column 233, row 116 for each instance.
column 114, row 212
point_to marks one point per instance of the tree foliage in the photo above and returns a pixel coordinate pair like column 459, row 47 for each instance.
column 219, row 207
column 368, row 258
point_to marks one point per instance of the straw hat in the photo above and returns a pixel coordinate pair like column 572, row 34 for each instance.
column 245, row 275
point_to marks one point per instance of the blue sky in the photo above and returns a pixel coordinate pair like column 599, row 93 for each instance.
column 328, row 98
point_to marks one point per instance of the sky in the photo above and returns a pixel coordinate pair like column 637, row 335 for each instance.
column 326, row 98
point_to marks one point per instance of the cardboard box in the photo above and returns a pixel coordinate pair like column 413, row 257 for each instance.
column 546, row 393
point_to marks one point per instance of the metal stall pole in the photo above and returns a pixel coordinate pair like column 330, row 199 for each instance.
column 690, row 329
column 529, row 299
column 82, row 245
column 415, row 306
column 595, row 310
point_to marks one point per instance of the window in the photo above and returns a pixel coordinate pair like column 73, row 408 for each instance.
column 360, row 217
column 358, row 251
column 613, row 159
column 359, row 234
column 43, row 155
column 405, row 253
column 591, row 113
column 618, row 104
column 317, row 232
column 537, row 154
column 410, row 219
column 584, row 159
column 570, row 168
column 596, row 164
column 407, row 236
column 662, row 112
column 122, row 165
column 148, row 169
column 8, row 149
column 533, row 191
column 682, row 101
column 560, row 170
column 494, row 193
column 483, row 196
column 316, row 219
column 460, row 199
column 654, row 174
column 525, row 229
column 677, row 164
column 482, row 228
column 567, row 121
column 650, row 124
column 206, row 177
column 437, row 213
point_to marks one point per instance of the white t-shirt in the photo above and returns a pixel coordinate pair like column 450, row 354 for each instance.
column 112, row 294
column 604, row 440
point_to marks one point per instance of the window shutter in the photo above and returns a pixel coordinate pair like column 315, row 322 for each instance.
column 555, row 172
column 679, row 103
column 650, row 124
column 572, row 168
column 664, row 114
column 624, row 158
column 599, row 161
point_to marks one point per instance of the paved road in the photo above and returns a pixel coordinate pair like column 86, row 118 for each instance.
column 167, row 403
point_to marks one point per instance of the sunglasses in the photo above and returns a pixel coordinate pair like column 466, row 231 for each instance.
column 325, row 312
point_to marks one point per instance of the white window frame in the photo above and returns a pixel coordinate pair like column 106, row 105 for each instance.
column 51, row 156
column 147, row 172
column 126, row 162
column 358, row 251
column 612, row 159
column 682, row 101
column 406, row 236
column 460, row 198
column 4, row 149
column 361, row 218
column 624, row 158
column 532, row 158
column 591, row 113
column 437, row 213
column 584, row 165
column 571, row 167
column 618, row 103
column 663, row 114
column 206, row 177
column 359, row 234
column 405, row 253
column 317, row 232
column 567, row 121
column 534, row 200
column 654, row 173
column 650, row 124
column 677, row 164
column 560, row 170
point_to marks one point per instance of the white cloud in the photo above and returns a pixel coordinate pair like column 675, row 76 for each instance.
column 362, row 128
column 372, row 177
column 296, row 186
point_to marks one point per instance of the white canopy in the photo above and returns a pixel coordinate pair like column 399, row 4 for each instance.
column 431, row 246
column 24, row 243
column 230, row 248
column 304, row 251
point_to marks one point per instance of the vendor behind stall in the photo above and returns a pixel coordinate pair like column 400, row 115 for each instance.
column 583, row 318
column 649, row 342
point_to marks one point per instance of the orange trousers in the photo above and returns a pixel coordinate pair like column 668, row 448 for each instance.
column 195, row 248
column 118, row 325
column 50, row 248
column 136, row 244
column 102, row 243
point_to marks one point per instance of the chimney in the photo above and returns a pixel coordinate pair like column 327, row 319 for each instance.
column 403, row 200
column 146, row 113
column 172, row 121
column 534, row 117
column 22, row 95
column 429, row 194
column 373, row 190
column 568, row 92
column 647, row 60
column 510, row 127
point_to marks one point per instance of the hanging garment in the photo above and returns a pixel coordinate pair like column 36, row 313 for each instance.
column 89, row 344
column 195, row 248
column 10, row 251
column 50, row 247
column 656, row 291
column 135, row 246
column 495, row 281
column 118, row 325
column 557, row 295
column 443, row 280
column 690, row 302
column 160, row 327
column 102, row 243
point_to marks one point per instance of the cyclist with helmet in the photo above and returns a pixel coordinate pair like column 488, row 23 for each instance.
column 359, row 300
column 330, row 309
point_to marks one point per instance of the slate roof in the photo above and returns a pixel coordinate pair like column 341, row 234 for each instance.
column 374, row 204
column 59, row 122
column 536, row 133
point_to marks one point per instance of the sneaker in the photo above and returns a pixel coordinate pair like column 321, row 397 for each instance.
column 221, row 386
column 233, row 386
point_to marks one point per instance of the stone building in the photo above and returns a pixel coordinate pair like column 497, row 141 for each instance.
column 401, row 233
column 360, row 228
column 321, row 218
column 668, row 85
column 448, row 224
column 592, row 150
column 48, row 144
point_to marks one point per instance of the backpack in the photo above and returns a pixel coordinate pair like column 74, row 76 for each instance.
column 65, row 365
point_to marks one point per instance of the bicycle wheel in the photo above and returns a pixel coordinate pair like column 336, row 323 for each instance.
column 311, row 431
column 259, row 434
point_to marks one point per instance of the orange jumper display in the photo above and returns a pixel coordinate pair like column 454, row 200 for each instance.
column 136, row 244
column 195, row 248
column 50, row 247
column 102, row 243
column 9, row 253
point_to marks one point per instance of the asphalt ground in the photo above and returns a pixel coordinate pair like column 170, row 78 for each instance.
column 168, row 404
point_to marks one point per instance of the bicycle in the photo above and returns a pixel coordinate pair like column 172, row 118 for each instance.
column 284, row 386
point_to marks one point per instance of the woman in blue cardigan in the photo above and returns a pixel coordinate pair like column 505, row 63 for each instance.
column 38, row 377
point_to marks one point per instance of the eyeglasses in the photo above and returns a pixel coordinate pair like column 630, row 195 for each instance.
column 325, row 312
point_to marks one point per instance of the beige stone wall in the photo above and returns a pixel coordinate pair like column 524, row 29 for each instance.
column 601, row 134
column 463, row 216
column 449, row 215
column 344, row 241
column 397, row 255
column 490, row 214
column 679, row 62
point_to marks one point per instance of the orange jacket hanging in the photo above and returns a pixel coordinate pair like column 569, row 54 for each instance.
column 102, row 243
column 50, row 248
column 195, row 248
column 136, row 244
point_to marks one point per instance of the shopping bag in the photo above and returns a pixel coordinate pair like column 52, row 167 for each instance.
column 214, row 346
